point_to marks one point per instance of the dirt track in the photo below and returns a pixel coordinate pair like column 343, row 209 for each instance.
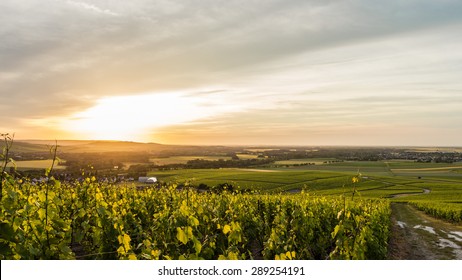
column 417, row 236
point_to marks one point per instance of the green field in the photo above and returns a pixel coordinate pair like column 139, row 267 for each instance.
column 256, row 179
column 435, row 188
column 304, row 161
column 381, row 179
column 36, row 164
column 184, row 159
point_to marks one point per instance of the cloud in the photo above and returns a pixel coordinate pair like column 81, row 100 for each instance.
column 344, row 60
column 93, row 8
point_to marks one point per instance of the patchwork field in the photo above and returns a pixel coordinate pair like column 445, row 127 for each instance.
column 378, row 179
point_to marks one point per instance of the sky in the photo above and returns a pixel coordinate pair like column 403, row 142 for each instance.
column 224, row 72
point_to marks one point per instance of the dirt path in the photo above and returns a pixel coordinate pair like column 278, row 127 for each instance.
column 417, row 236
column 424, row 191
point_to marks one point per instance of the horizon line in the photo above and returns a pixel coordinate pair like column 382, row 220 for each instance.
column 243, row 145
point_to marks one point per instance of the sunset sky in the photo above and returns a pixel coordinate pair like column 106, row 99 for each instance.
column 285, row 72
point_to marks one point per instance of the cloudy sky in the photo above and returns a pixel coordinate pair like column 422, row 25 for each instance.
column 304, row 72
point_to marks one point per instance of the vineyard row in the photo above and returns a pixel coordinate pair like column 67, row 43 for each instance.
column 91, row 220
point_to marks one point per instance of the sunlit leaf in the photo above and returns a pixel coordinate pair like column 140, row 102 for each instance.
column 226, row 229
column 181, row 236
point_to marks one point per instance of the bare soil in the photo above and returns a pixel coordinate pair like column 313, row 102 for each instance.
column 417, row 236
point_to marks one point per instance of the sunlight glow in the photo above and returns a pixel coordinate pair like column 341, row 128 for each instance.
column 136, row 117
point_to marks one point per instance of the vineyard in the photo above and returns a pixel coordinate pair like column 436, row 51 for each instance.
column 442, row 202
column 451, row 212
column 327, row 211
column 91, row 220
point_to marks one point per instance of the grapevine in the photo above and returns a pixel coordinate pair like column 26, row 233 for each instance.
column 91, row 220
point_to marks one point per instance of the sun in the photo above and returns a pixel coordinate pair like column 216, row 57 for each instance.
column 132, row 118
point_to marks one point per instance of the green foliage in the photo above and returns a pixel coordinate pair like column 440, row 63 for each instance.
column 448, row 211
column 362, row 231
column 90, row 220
column 33, row 224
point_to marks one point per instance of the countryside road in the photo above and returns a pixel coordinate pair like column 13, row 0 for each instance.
column 417, row 236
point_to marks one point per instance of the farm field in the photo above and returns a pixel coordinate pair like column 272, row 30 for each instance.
column 377, row 180
column 348, row 167
column 36, row 164
column 184, row 159
column 247, row 156
column 254, row 179
column 392, row 168
column 304, row 161
column 435, row 188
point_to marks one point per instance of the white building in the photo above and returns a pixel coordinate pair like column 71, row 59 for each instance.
column 147, row 180
column 151, row 180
